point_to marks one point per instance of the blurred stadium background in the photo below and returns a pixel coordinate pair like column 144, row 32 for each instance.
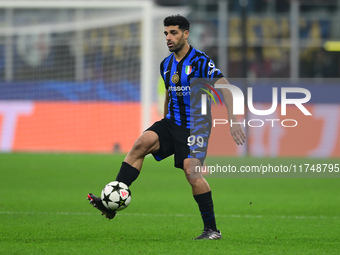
column 79, row 81
column 83, row 76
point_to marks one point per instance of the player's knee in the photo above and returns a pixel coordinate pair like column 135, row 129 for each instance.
column 192, row 176
column 192, row 168
column 145, row 144
column 140, row 147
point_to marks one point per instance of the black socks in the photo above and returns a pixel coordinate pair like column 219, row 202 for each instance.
column 127, row 174
column 206, row 208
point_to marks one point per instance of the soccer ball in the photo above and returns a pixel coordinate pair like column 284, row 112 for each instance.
column 116, row 196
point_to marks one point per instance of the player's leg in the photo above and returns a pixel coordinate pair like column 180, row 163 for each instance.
column 156, row 140
column 192, row 170
column 202, row 195
column 147, row 143
column 190, row 152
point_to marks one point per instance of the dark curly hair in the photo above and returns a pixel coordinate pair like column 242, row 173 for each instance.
column 179, row 20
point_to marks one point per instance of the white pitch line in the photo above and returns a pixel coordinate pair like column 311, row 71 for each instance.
column 299, row 217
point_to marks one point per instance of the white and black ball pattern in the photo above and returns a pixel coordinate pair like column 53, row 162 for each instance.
column 116, row 196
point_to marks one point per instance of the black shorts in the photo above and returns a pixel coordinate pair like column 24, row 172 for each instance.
column 180, row 141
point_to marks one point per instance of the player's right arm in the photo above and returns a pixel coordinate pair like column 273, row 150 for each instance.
column 166, row 102
column 236, row 130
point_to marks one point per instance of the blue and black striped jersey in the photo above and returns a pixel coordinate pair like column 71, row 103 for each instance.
column 179, row 79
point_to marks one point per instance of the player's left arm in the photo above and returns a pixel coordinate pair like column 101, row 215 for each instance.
column 236, row 130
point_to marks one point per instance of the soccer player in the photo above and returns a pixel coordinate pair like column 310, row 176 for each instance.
column 183, row 132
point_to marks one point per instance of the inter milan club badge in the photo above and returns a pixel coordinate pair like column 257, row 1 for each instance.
column 175, row 78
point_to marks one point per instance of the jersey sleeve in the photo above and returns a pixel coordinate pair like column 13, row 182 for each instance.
column 162, row 74
column 161, row 67
column 211, row 72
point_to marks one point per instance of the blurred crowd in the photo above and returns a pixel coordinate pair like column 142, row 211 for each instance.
column 114, row 52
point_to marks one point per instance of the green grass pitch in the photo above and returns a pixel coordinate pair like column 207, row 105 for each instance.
column 44, row 210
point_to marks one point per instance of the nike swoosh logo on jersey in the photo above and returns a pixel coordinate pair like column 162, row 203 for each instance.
column 166, row 71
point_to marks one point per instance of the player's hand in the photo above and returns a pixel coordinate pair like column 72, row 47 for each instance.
column 237, row 133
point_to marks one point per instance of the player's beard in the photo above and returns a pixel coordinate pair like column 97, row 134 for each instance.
column 177, row 47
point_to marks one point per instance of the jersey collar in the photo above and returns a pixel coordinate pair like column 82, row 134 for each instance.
column 186, row 55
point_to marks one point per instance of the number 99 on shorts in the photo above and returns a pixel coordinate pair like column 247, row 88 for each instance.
column 192, row 140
